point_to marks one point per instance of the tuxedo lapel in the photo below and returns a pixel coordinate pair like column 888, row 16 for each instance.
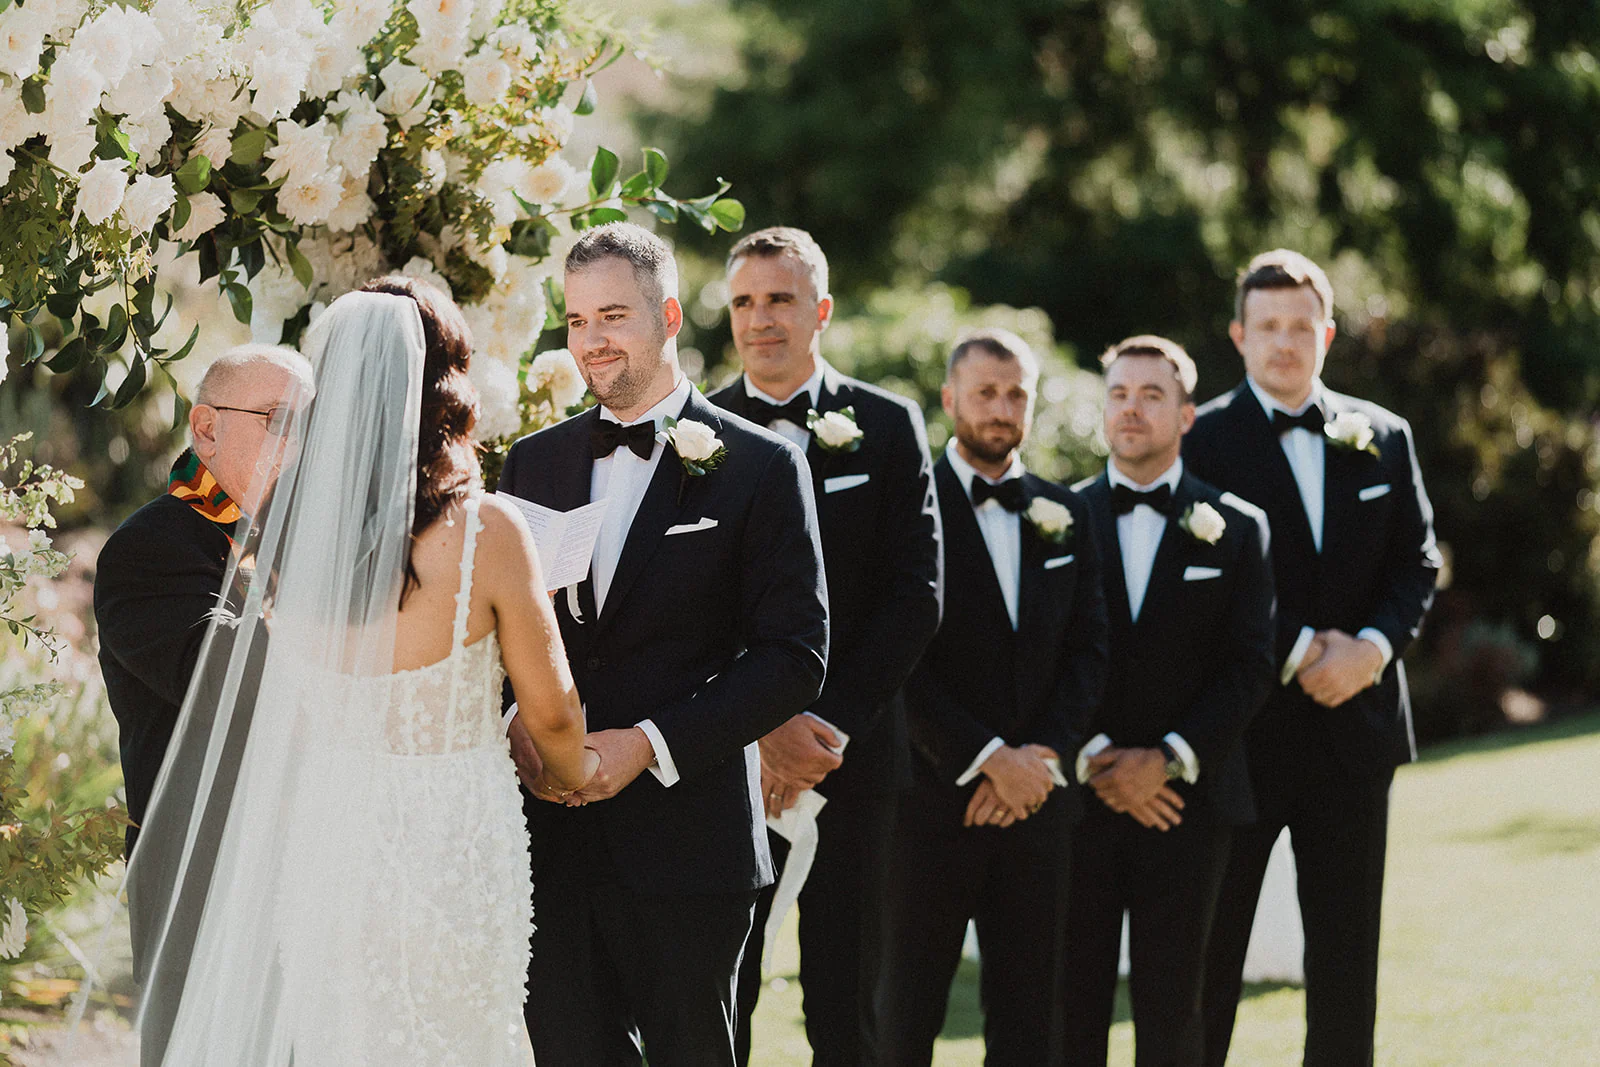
column 1098, row 493
column 570, row 482
column 1345, row 473
column 965, row 546
column 657, row 511
column 1166, row 573
column 1263, row 448
column 1030, row 592
column 819, row 458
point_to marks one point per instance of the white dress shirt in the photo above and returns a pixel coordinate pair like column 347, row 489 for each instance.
column 622, row 478
column 1139, row 534
column 783, row 427
column 1002, row 534
column 1307, row 454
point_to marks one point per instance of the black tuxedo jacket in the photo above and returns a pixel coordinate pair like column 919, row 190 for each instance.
column 881, row 546
column 718, row 635
column 1038, row 684
column 156, row 582
column 1199, row 659
column 1377, row 566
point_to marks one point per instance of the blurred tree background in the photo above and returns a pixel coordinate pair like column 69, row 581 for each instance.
column 1112, row 163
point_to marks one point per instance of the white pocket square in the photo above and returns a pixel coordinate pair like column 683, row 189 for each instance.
column 844, row 481
column 691, row 527
column 1200, row 574
column 1058, row 561
column 1373, row 492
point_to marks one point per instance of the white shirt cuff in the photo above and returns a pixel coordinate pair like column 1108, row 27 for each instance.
column 505, row 720
column 1296, row 654
column 1375, row 635
column 844, row 738
column 1186, row 756
column 994, row 745
column 1097, row 744
column 663, row 768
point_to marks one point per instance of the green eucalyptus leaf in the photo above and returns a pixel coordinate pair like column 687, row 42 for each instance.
column 602, row 215
column 655, row 165
column 299, row 264
column 244, row 201
column 602, row 173
column 588, row 101
column 70, row 355
column 248, row 147
column 239, row 297
column 180, row 409
column 116, row 331
column 33, row 348
column 131, row 385
column 729, row 214
column 665, row 210
column 64, row 304
column 188, row 346
column 33, row 95
column 194, row 175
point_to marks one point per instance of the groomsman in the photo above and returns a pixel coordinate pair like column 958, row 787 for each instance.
column 868, row 455
column 701, row 628
column 1008, row 685
column 1354, row 565
column 1189, row 591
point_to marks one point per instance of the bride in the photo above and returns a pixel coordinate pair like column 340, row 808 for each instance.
column 334, row 870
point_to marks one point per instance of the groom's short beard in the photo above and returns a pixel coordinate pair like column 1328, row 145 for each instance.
column 631, row 383
column 969, row 437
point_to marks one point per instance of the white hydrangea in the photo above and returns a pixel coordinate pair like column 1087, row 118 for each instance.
column 13, row 929
column 216, row 144
column 363, row 132
column 498, row 395
column 147, row 199
column 310, row 202
column 205, row 214
column 557, row 371
column 301, row 154
column 100, row 191
column 486, row 79
column 355, row 206
column 22, row 33
column 550, row 183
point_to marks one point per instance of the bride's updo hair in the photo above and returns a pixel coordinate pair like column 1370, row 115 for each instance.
column 447, row 461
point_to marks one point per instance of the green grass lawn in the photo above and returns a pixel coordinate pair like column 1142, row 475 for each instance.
column 1491, row 941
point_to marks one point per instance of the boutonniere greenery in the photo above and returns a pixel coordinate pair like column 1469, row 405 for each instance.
column 699, row 449
column 836, row 431
column 1051, row 520
column 1203, row 523
column 1352, row 430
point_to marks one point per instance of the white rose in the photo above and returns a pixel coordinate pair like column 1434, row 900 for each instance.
column 558, row 121
column 105, row 41
column 557, row 371
column 148, row 198
column 14, row 924
column 1350, row 428
column 205, row 214
column 278, row 82
column 363, row 132
column 147, row 136
column 16, row 125
column 1050, row 517
column 355, row 206
column 71, row 146
column 276, row 296
column 406, row 92
column 310, row 202
column 1205, row 523
column 141, row 92
column 100, row 191
column 74, row 88
column 22, row 33
column 694, row 441
column 216, row 144
column 301, row 154
column 497, row 399
column 360, row 20
column 486, row 78
column 337, row 58
column 836, row 430
column 549, row 183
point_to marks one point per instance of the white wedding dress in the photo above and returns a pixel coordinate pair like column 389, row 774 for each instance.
column 436, row 975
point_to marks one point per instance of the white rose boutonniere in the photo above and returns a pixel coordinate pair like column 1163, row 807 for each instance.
column 837, row 430
column 1049, row 519
column 1352, row 430
column 697, row 445
column 1204, row 523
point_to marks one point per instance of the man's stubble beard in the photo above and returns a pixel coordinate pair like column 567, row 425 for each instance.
column 967, row 435
column 630, row 385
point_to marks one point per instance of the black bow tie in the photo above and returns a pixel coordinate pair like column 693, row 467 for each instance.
column 1309, row 419
column 607, row 436
column 766, row 413
column 1009, row 493
column 1124, row 499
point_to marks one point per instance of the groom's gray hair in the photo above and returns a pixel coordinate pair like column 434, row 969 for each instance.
column 650, row 257
column 226, row 368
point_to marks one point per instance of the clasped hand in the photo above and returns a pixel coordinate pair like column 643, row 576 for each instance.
column 1133, row 782
column 612, row 760
column 1337, row 666
column 1016, row 783
column 795, row 757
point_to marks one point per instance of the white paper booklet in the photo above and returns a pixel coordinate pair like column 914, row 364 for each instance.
column 565, row 539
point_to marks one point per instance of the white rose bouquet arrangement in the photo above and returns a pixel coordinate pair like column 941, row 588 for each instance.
column 296, row 149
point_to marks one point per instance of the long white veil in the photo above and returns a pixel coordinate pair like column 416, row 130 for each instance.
column 265, row 782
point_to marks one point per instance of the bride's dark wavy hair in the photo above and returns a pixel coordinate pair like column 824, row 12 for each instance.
column 447, row 461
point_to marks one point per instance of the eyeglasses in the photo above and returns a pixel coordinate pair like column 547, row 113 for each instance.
column 277, row 418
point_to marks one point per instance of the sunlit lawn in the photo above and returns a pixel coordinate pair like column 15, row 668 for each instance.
column 1491, row 924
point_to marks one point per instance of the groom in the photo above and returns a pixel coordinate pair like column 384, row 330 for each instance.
column 1354, row 564
column 702, row 627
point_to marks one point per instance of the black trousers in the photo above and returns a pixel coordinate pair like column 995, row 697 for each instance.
column 1013, row 883
column 1167, row 882
column 1338, row 826
column 841, row 920
column 614, row 971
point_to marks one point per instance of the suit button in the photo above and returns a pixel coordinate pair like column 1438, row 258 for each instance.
column 594, row 663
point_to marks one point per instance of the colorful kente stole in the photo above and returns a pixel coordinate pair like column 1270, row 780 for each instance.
column 191, row 483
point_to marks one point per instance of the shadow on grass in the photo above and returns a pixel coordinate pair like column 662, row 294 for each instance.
column 964, row 1016
column 1561, row 729
column 1541, row 834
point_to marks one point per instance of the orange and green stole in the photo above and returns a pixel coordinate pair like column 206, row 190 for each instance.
column 191, row 483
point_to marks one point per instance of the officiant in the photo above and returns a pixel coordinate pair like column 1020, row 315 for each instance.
column 869, row 463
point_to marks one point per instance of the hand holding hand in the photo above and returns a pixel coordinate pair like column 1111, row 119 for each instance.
column 800, row 752
column 1020, row 779
column 1345, row 666
column 529, row 766
column 623, row 754
column 985, row 809
column 1133, row 778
